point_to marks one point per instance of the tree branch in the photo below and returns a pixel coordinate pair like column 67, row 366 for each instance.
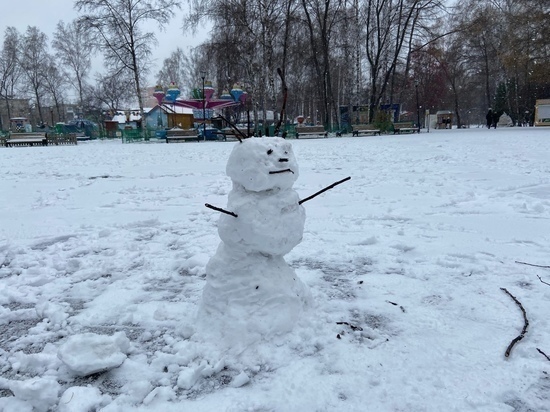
column 525, row 324
column 324, row 190
column 219, row 209
column 530, row 264
column 543, row 354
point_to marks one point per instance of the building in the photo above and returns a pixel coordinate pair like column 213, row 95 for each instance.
column 542, row 112
column 17, row 108
column 168, row 116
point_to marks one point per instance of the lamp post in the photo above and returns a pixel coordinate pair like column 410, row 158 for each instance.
column 203, row 75
column 417, row 107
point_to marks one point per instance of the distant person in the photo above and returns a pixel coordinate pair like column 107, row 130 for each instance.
column 489, row 118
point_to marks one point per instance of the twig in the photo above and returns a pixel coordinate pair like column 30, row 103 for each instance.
column 544, row 354
column 525, row 324
column 219, row 209
column 530, row 264
column 353, row 327
column 280, row 171
column 324, row 190
column 546, row 283
column 234, row 128
column 397, row 304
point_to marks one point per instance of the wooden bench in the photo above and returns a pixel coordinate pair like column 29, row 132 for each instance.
column 310, row 131
column 405, row 127
column 366, row 129
column 26, row 139
column 232, row 134
column 61, row 139
column 181, row 135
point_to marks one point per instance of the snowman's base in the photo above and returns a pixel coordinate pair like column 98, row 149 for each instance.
column 250, row 296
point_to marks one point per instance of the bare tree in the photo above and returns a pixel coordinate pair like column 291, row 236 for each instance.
column 390, row 26
column 117, row 28
column 32, row 59
column 10, row 72
column 55, row 86
column 173, row 69
column 321, row 17
column 72, row 45
column 114, row 92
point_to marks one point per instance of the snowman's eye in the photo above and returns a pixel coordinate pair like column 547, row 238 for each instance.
column 270, row 151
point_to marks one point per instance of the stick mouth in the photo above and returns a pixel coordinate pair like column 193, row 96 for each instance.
column 281, row 171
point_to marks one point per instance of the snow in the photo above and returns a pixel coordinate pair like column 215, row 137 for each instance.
column 404, row 262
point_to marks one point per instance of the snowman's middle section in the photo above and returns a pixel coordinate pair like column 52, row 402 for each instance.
column 270, row 222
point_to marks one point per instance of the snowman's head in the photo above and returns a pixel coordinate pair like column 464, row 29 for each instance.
column 263, row 163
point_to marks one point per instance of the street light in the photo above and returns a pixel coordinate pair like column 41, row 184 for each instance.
column 417, row 107
column 203, row 75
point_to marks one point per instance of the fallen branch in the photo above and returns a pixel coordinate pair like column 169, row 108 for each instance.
column 353, row 327
column 324, row 190
column 219, row 209
column 546, row 283
column 530, row 264
column 525, row 324
column 397, row 304
column 544, row 354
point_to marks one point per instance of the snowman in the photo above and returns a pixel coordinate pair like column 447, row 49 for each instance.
column 251, row 293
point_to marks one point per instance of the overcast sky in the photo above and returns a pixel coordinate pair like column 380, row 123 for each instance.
column 45, row 14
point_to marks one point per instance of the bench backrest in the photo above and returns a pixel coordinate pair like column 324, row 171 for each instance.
column 403, row 125
column 27, row 135
column 310, row 129
column 191, row 132
column 357, row 127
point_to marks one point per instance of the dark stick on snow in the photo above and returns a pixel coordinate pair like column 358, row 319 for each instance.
column 353, row 327
column 546, row 283
column 397, row 304
column 324, row 190
column 530, row 264
column 219, row 209
column 544, row 354
column 525, row 324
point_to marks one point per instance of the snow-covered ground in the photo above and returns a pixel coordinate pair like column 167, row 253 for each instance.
column 103, row 248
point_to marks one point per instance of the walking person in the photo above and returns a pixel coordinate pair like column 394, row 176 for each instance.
column 489, row 118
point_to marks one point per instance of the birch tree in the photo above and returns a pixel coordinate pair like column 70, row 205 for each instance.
column 32, row 59
column 117, row 27
column 10, row 71
column 73, row 48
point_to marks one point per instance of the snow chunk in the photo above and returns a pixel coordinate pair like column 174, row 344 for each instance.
column 12, row 404
column 89, row 353
column 82, row 399
column 188, row 377
column 41, row 393
column 240, row 380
